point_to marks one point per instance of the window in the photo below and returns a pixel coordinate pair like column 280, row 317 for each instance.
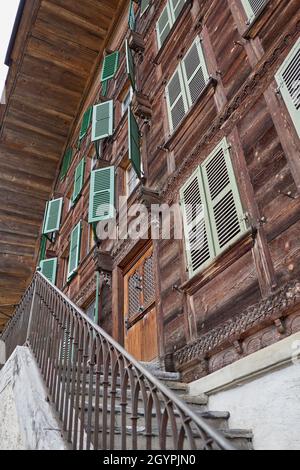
column 127, row 100
column 90, row 310
column 132, row 180
column 253, row 8
column 288, row 79
column 212, row 211
column 144, row 6
column 186, row 85
column 167, row 19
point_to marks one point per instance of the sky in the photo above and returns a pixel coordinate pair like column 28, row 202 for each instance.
column 7, row 18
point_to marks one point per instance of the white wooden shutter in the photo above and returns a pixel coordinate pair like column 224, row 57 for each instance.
column 176, row 6
column 195, row 72
column 288, row 79
column 102, row 195
column 223, row 200
column 198, row 239
column 103, row 120
column 176, row 99
column 164, row 25
column 253, row 8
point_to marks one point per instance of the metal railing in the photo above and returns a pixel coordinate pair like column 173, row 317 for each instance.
column 104, row 398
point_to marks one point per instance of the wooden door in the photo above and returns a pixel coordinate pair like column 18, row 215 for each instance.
column 140, row 319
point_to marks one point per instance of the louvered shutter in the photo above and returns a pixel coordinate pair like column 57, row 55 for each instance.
column 288, row 79
column 103, row 120
column 43, row 246
column 176, row 7
column 131, row 16
column 102, row 197
column 144, row 6
column 134, row 143
column 223, row 200
column 78, row 180
column 110, row 66
column 163, row 26
column 49, row 269
column 74, row 256
column 53, row 216
column 198, row 238
column 130, row 67
column 176, row 99
column 86, row 121
column 253, row 8
column 194, row 72
column 66, row 163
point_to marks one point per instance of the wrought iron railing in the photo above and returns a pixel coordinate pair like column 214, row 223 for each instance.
column 105, row 399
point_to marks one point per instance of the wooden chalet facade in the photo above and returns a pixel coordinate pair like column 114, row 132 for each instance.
column 163, row 102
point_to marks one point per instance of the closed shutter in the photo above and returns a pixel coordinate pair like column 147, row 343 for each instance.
column 223, row 200
column 195, row 72
column 49, row 269
column 53, row 216
column 253, row 8
column 130, row 67
column 144, row 6
column 131, row 16
column 163, row 26
column 66, row 163
column 86, row 121
column 176, row 7
column 198, row 238
column 110, row 66
column 288, row 79
column 74, row 256
column 78, row 180
column 103, row 119
column 102, row 197
column 176, row 99
column 134, row 143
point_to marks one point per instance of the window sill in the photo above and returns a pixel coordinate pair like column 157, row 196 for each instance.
column 208, row 90
column 220, row 263
column 258, row 22
column 176, row 27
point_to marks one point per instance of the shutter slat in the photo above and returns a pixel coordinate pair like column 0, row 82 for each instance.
column 110, row 66
column 49, row 269
column 101, row 206
column 134, row 143
column 103, row 119
column 195, row 72
column 78, row 180
column 53, row 216
column 74, row 256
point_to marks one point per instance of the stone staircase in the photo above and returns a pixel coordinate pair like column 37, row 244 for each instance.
column 241, row 439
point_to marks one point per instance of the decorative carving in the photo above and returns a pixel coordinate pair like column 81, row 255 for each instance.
column 136, row 42
column 141, row 106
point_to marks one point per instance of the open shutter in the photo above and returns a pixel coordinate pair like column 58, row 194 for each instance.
column 176, row 99
column 144, row 6
column 195, row 72
column 78, row 180
column 176, row 7
column 66, row 163
column 223, row 200
column 288, row 79
column 103, row 120
column 86, row 121
column 53, row 216
column 131, row 16
column 49, row 269
column 130, row 67
column 110, row 66
column 198, row 239
column 164, row 25
column 43, row 246
column 74, row 256
column 253, row 8
column 102, row 195
column 134, row 143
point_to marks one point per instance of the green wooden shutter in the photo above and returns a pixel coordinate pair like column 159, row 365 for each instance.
column 86, row 121
column 102, row 195
column 130, row 66
column 78, row 180
column 194, row 72
column 144, row 6
column 43, row 246
column 288, row 79
column 66, row 163
column 134, row 143
column 53, row 216
column 198, row 237
column 253, row 8
column 131, row 16
column 74, row 256
column 110, row 66
column 163, row 25
column 176, row 99
column 223, row 200
column 103, row 120
column 176, row 6
column 49, row 269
